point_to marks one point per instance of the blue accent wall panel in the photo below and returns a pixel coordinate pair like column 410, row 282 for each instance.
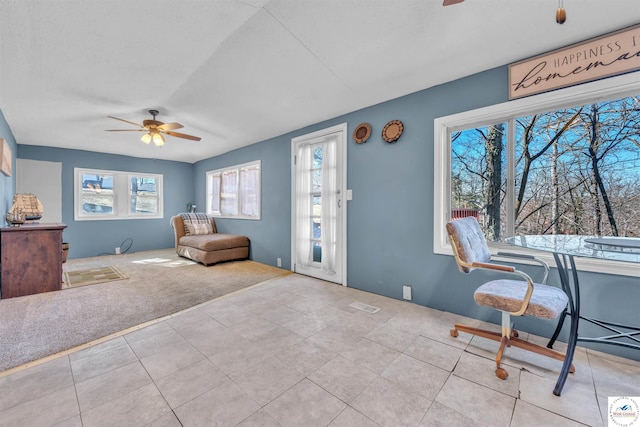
column 390, row 219
column 271, row 235
column 93, row 238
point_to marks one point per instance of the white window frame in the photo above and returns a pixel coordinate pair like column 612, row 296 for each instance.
column 601, row 90
column 238, row 195
column 121, row 195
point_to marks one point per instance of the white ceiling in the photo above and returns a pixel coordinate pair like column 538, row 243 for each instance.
column 236, row 72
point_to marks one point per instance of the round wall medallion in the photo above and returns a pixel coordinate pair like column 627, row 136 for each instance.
column 392, row 131
column 362, row 133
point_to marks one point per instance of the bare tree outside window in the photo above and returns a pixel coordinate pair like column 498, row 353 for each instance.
column 577, row 171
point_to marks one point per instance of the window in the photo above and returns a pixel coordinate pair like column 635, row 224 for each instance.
column 317, row 153
column 101, row 194
column 565, row 162
column 234, row 192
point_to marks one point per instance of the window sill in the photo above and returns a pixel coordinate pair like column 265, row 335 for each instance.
column 116, row 218
column 253, row 218
column 582, row 264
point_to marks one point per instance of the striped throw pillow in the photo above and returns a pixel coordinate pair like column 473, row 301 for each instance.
column 196, row 224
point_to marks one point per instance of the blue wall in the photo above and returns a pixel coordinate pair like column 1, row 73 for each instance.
column 92, row 238
column 390, row 236
column 271, row 235
column 7, row 183
column 390, row 219
column 391, row 215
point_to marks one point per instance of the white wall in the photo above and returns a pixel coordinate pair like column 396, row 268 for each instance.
column 44, row 179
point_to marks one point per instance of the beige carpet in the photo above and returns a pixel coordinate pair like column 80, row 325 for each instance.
column 160, row 283
column 91, row 276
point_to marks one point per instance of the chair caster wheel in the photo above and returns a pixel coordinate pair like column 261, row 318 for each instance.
column 453, row 333
column 502, row 374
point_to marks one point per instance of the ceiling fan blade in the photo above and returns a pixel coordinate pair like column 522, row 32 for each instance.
column 126, row 130
column 450, row 2
column 126, row 121
column 170, row 126
column 183, row 135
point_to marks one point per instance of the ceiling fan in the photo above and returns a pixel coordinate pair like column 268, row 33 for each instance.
column 154, row 130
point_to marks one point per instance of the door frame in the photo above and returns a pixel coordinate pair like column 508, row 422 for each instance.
column 343, row 192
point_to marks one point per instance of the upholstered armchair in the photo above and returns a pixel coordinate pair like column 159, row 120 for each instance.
column 197, row 238
column 515, row 296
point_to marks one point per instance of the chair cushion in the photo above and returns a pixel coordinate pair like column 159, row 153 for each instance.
column 469, row 241
column 547, row 302
column 214, row 242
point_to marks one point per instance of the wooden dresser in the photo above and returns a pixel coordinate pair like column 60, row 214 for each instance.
column 31, row 259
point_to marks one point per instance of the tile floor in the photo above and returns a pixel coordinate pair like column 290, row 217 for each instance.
column 293, row 352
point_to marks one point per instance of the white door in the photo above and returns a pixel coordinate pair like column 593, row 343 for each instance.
column 318, row 207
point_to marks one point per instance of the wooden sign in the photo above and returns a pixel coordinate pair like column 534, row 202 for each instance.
column 605, row 56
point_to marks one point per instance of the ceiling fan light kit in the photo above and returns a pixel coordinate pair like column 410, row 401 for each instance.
column 154, row 130
column 158, row 139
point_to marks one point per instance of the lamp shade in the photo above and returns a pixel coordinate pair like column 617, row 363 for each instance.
column 158, row 139
column 146, row 138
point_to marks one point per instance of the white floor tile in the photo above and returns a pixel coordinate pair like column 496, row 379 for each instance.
column 293, row 352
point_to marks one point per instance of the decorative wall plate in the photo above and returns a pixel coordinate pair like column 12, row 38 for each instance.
column 362, row 133
column 392, row 131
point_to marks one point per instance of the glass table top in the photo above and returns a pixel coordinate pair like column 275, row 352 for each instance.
column 611, row 248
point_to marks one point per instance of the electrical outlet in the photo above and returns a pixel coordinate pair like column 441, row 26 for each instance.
column 279, row 262
column 117, row 250
column 406, row 292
